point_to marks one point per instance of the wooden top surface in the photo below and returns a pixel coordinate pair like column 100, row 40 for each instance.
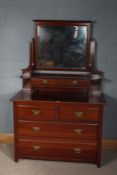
column 29, row 96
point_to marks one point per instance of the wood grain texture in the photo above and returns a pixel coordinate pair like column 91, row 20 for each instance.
column 6, row 138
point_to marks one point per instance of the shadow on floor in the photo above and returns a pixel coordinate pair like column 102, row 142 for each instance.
column 7, row 150
column 108, row 156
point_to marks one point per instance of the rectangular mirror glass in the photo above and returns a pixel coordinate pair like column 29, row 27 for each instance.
column 62, row 46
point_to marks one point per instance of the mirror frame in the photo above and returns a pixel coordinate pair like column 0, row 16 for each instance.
column 63, row 23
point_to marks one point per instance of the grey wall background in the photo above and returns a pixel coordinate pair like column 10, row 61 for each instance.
column 16, row 30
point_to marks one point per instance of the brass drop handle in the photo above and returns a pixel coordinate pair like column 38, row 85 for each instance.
column 45, row 81
column 75, row 82
column 35, row 112
column 78, row 150
column 79, row 114
column 36, row 129
column 35, row 148
column 78, row 131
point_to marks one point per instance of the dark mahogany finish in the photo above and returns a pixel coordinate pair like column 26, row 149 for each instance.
column 58, row 113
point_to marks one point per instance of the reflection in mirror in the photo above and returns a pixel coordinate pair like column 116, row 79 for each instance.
column 62, row 46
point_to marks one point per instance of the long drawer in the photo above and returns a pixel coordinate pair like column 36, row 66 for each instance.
column 72, row 131
column 57, row 150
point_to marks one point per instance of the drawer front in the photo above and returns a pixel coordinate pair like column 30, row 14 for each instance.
column 79, row 114
column 75, row 83
column 36, row 113
column 44, row 82
column 72, row 131
column 59, row 150
column 60, row 82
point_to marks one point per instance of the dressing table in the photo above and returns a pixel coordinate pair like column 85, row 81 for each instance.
column 59, row 111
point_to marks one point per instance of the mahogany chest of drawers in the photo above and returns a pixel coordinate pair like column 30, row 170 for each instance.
column 57, row 130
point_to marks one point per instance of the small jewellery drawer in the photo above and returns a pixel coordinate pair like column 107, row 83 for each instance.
column 75, row 82
column 72, row 131
column 62, row 150
column 44, row 82
column 36, row 113
column 77, row 114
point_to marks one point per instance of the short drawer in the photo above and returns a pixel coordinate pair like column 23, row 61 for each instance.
column 75, row 83
column 57, row 150
column 72, row 131
column 36, row 113
column 35, row 82
column 79, row 114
